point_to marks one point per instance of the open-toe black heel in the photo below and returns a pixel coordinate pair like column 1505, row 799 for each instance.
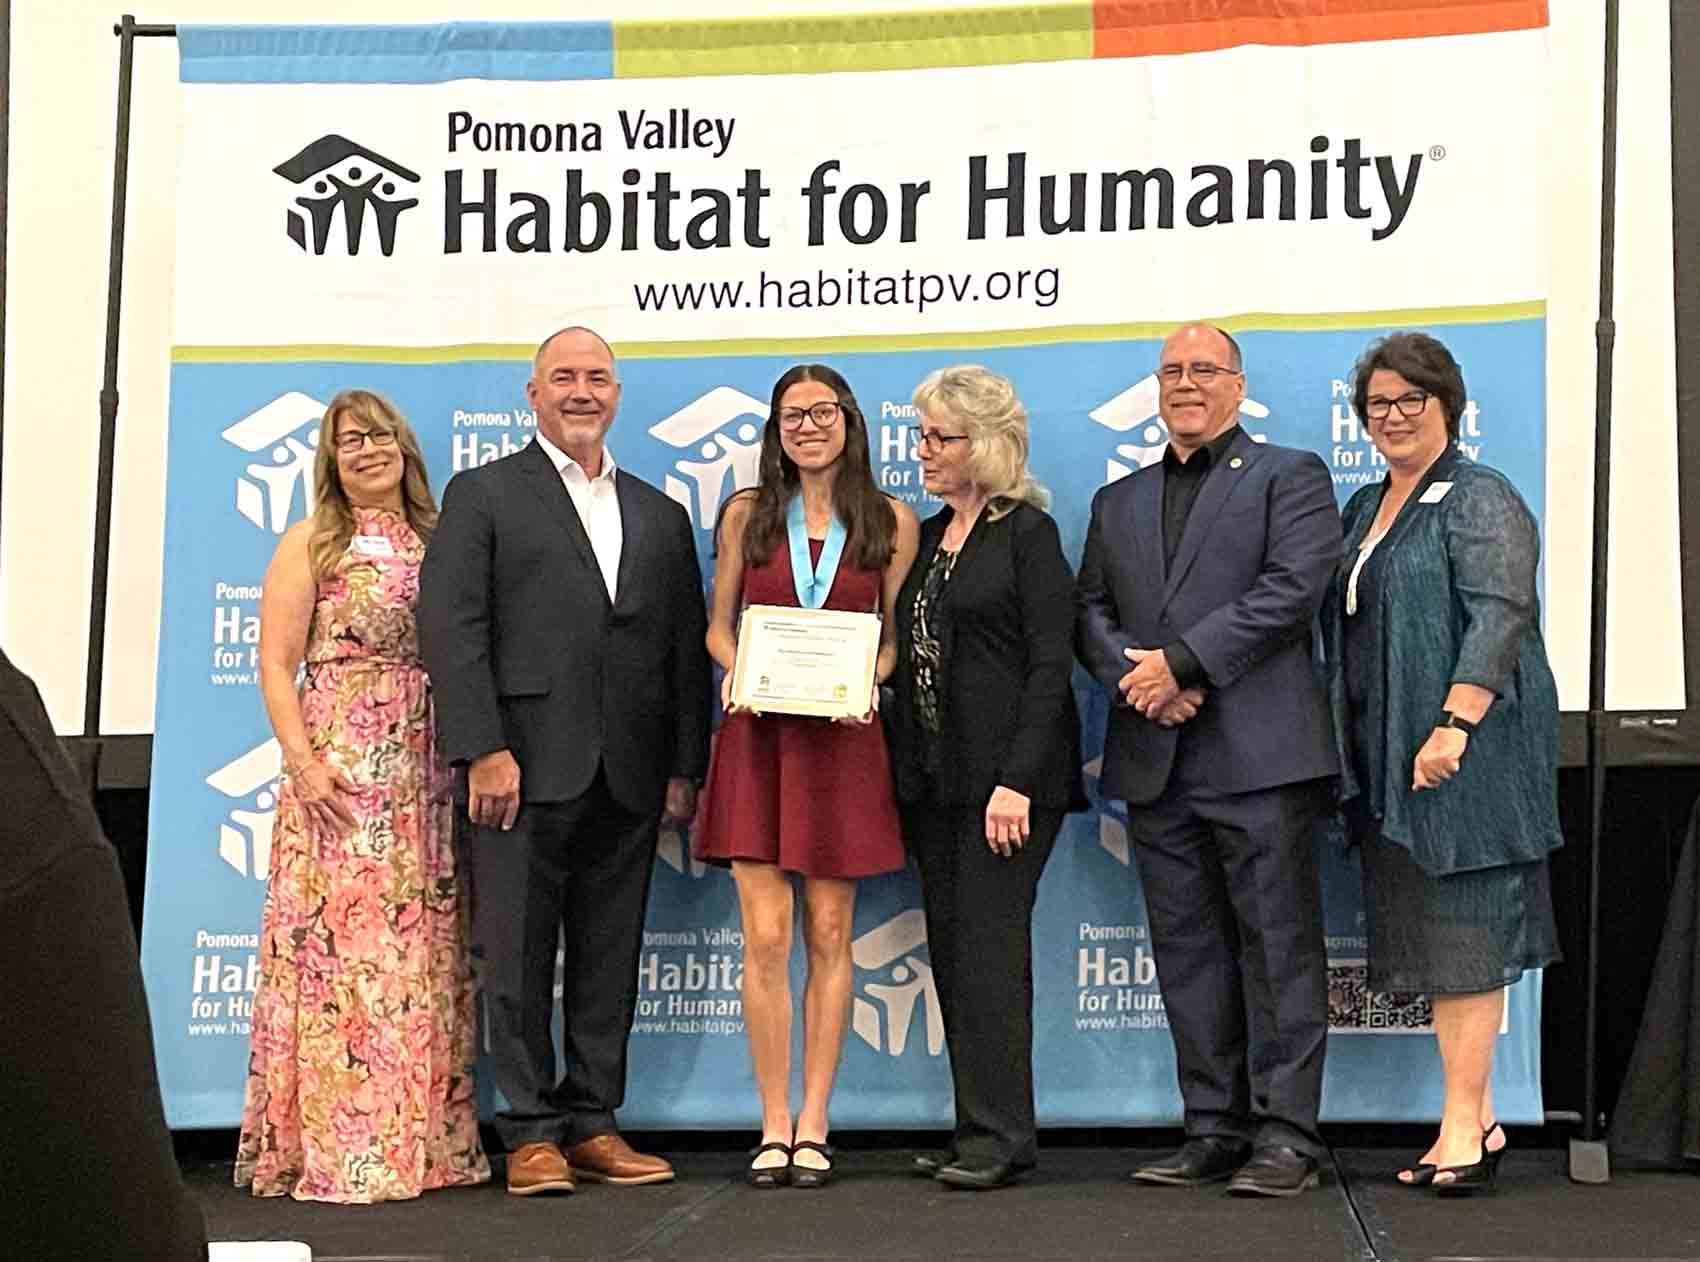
column 810, row 1176
column 1478, row 1176
column 1422, row 1174
column 1493, row 1155
column 769, row 1176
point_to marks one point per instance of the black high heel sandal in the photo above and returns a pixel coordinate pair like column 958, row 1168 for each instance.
column 1478, row 1176
column 1492, row 1155
column 1422, row 1174
column 769, row 1176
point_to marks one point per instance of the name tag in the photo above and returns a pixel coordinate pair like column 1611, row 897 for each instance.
column 373, row 546
column 1435, row 493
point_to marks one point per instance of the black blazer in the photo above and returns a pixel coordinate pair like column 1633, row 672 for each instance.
column 526, row 652
column 1247, row 583
column 1005, row 628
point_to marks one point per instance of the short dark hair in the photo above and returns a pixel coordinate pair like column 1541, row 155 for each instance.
column 1421, row 360
column 1235, row 360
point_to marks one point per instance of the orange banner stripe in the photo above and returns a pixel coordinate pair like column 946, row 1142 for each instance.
column 1150, row 28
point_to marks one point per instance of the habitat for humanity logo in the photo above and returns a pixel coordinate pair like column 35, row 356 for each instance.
column 289, row 425
column 347, row 181
column 1134, row 412
column 727, row 451
column 882, row 1019
column 250, row 782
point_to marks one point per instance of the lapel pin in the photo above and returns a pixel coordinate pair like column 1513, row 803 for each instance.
column 1235, row 463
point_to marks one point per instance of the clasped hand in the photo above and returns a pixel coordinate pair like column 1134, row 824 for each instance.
column 1153, row 691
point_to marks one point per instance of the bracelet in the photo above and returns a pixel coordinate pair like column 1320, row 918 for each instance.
column 1449, row 719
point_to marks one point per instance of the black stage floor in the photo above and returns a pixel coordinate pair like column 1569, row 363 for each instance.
column 1077, row 1205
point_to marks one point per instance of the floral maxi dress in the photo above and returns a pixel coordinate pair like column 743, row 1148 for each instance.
column 359, row 1076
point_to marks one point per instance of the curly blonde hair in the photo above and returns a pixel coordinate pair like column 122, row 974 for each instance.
column 986, row 406
column 333, row 518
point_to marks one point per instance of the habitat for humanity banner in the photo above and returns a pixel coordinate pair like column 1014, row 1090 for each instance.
column 1047, row 191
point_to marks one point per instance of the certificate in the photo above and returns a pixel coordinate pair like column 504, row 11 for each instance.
column 805, row 661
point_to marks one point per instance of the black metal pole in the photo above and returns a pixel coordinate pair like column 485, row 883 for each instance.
column 109, row 387
column 1588, row 1160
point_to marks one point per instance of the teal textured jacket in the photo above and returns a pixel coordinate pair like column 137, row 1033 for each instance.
column 1458, row 603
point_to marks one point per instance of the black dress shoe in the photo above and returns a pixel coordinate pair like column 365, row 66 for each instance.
column 1202, row 1159
column 1275, row 1170
column 927, row 1164
column 977, row 1176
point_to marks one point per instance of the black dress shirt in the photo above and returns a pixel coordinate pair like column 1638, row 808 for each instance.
column 1182, row 481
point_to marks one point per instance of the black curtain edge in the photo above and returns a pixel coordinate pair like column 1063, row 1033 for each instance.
column 1685, row 234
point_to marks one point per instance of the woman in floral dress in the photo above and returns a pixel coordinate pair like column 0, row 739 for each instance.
column 359, row 1077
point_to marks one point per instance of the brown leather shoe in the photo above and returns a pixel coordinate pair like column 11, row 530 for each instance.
column 610, row 1159
column 540, row 1167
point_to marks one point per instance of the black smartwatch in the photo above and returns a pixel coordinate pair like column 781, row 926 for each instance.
column 1449, row 719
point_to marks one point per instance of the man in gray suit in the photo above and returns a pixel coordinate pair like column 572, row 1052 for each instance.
column 1196, row 598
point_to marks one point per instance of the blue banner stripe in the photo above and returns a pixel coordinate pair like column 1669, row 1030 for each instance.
column 539, row 51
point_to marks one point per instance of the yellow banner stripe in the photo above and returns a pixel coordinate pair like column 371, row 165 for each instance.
column 927, row 39
column 1411, row 317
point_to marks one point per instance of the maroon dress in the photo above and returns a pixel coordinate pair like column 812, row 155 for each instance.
column 809, row 795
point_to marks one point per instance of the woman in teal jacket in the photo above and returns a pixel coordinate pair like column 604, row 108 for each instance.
column 1447, row 717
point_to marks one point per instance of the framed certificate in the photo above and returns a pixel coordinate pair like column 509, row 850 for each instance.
column 816, row 662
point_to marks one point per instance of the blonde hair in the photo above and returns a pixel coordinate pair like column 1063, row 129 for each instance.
column 987, row 407
column 333, row 518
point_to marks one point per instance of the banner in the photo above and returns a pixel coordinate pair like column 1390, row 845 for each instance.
column 1046, row 191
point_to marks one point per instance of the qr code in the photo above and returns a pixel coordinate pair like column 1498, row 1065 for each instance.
column 1353, row 1008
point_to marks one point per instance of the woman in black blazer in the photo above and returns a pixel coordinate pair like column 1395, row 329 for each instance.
column 986, row 742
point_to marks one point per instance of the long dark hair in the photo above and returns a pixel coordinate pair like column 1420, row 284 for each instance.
column 869, row 523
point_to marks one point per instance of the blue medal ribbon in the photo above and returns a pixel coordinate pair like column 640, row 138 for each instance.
column 813, row 582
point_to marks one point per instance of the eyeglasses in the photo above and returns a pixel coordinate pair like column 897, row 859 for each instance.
column 1410, row 405
column 822, row 414
column 1202, row 373
column 350, row 441
column 932, row 438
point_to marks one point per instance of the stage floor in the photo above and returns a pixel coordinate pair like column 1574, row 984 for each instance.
column 1077, row 1205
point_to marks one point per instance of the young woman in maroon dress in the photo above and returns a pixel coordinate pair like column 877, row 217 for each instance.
column 791, row 795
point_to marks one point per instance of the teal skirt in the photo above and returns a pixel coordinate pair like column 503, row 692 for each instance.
column 1463, row 933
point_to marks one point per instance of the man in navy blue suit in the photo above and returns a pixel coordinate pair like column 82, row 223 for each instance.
column 1197, row 595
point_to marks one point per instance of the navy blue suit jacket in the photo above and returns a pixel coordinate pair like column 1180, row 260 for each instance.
column 1248, row 579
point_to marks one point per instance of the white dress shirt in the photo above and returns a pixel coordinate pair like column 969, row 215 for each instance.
column 598, row 506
